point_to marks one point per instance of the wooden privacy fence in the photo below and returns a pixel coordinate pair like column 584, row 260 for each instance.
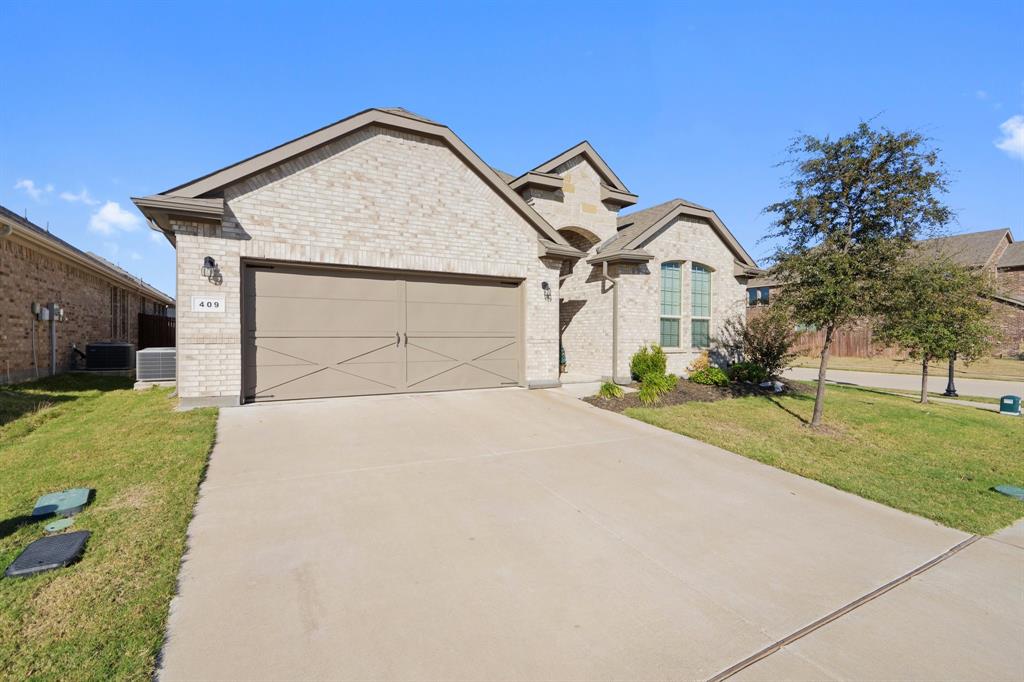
column 846, row 343
column 155, row 331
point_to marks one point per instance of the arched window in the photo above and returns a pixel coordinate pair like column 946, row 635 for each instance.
column 671, row 303
column 700, row 306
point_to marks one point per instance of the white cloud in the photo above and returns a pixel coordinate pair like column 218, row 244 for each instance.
column 1013, row 136
column 111, row 217
column 981, row 94
column 135, row 255
column 31, row 189
column 83, row 197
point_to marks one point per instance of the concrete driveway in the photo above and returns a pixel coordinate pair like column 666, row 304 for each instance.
column 524, row 535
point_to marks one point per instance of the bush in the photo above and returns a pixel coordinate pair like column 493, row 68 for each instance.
column 609, row 391
column 710, row 376
column 766, row 340
column 700, row 362
column 648, row 360
column 654, row 385
column 747, row 371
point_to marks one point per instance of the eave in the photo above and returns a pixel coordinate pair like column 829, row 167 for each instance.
column 616, row 197
column 549, row 249
column 533, row 180
column 622, row 256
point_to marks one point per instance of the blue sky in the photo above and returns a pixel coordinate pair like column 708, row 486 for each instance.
column 103, row 101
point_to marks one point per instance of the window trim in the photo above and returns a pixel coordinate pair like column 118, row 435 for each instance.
column 678, row 317
column 694, row 317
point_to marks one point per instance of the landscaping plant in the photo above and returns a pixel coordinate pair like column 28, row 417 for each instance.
column 654, row 385
column 710, row 376
column 700, row 362
column 937, row 308
column 610, row 391
column 648, row 360
column 750, row 372
column 857, row 204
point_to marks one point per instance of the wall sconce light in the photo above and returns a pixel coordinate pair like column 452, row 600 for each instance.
column 547, row 290
column 210, row 270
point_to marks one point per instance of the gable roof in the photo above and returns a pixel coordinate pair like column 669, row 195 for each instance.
column 637, row 227
column 90, row 261
column 1013, row 257
column 585, row 150
column 974, row 249
column 211, row 184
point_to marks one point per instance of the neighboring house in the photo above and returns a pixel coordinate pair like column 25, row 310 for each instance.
column 380, row 254
column 101, row 302
column 994, row 251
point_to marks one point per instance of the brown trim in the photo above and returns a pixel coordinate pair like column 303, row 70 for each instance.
column 610, row 195
column 545, row 181
column 218, row 180
column 622, row 256
column 585, row 149
column 182, row 207
column 709, row 215
column 548, row 249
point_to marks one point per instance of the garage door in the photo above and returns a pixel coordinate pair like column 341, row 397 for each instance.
column 315, row 333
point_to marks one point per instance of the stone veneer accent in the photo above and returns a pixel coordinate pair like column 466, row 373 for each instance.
column 376, row 198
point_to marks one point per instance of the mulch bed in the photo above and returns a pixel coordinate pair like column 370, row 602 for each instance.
column 687, row 391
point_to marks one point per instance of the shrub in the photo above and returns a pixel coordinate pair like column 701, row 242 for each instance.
column 609, row 391
column 710, row 376
column 766, row 340
column 700, row 362
column 648, row 360
column 747, row 371
column 654, row 385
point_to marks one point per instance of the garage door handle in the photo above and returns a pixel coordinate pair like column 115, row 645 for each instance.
column 398, row 340
column 406, row 339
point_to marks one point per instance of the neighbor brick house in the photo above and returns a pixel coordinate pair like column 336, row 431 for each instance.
column 101, row 302
column 993, row 251
column 381, row 254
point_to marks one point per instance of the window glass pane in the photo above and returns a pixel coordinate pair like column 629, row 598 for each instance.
column 700, row 283
column 751, row 296
column 671, row 288
column 701, row 335
column 669, row 333
column 764, row 295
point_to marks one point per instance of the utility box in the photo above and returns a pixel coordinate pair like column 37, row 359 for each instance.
column 1010, row 404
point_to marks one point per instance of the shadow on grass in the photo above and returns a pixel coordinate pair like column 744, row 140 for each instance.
column 11, row 525
column 18, row 400
column 775, row 401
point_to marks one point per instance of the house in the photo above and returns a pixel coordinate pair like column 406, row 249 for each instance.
column 994, row 251
column 100, row 301
column 380, row 254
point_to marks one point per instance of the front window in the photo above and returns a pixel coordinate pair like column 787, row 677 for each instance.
column 671, row 301
column 700, row 322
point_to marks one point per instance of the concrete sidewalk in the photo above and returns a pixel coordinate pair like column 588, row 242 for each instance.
column 525, row 535
column 986, row 388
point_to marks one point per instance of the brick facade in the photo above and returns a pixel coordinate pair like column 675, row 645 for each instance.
column 96, row 308
column 1009, row 317
column 375, row 198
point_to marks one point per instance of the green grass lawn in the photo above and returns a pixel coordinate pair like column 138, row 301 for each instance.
column 938, row 461
column 102, row 618
column 1005, row 369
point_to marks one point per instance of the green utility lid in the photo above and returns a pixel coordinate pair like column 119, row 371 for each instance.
column 58, row 525
column 63, row 503
column 1010, row 491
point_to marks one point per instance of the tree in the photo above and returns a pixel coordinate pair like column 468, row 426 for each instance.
column 858, row 202
column 937, row 308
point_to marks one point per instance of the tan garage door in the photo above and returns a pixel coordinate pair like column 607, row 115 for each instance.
column 314, row 333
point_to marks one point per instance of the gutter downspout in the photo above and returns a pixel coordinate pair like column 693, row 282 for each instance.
column 615, row 317
column 53, row 339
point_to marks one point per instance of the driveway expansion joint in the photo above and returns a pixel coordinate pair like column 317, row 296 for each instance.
column 842, row 611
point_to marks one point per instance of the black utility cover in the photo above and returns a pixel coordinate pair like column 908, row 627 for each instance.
column 49, row 553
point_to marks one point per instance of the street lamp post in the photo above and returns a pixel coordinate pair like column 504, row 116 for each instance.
column 950, row 386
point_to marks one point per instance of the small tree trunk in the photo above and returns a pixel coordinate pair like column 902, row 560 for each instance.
column 819, row 397
column 924, row 380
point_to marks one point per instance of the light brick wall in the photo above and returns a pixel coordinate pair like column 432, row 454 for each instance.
column 375, row 198
column 29, row 275
column 585, row 315
column 689, row 240
column 579, row 202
